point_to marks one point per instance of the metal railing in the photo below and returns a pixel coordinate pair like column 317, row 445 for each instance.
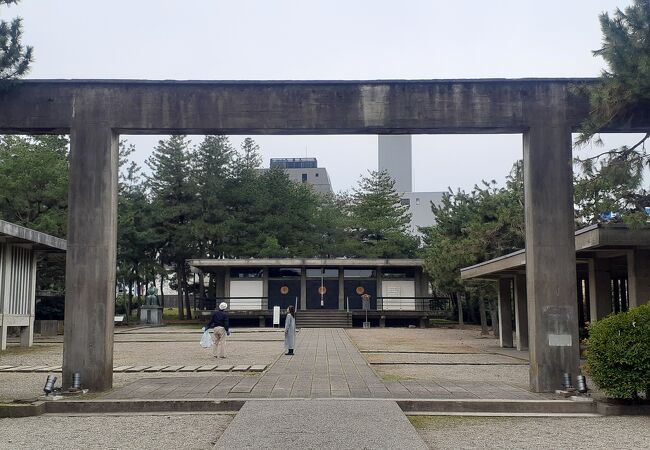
column 237, row 303
column 413, row 304
column 440, row 305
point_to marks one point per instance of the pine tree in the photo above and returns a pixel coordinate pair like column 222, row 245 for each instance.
column 612, row 180
column 174, row 201
column 34, row 182
column 212, row 164
column 14, row 57
column 379, row 220
column 249, row 157
column 136, row 242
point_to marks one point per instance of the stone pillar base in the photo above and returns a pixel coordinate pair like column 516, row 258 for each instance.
column 151, row 315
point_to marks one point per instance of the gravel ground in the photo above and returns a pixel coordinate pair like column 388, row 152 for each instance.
column 428, row 358
column 514, row 375
column 441, row 432
column 451, row 340
column 113, row 431
column 479, row 358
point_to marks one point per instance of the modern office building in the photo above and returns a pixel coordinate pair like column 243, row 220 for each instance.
column 395, row 157
column 304, row 170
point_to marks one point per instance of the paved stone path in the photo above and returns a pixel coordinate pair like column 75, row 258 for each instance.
column 321, row 423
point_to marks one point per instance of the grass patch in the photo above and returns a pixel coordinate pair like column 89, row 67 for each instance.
column 17, row 350
column 394, row 377
column 443, row 322
column 424, row 422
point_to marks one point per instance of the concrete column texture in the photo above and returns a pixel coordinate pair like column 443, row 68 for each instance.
column 342, row 305
column 638, row 276
column 600, row 301
column 521, row 312
column 5, row 284
column 505, row 312
column 265, row 283
column 550, row 251
column 27, row 334
column 91, row 255
column 303, row 288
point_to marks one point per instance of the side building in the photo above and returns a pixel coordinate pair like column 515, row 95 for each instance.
column 304, row 170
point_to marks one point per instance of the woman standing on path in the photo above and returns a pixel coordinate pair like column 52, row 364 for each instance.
column 290, row 330
column 220, row 322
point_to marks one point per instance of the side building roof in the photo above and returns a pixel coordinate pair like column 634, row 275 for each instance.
column 16, row 234
column 602, row 239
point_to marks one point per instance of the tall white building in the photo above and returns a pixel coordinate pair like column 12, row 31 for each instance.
column 395, row 157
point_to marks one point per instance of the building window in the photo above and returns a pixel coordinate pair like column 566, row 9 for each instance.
column 359, row 273
column 417, row 201
column 325, row 273
column 316, row 173
column 284, row 272
column 252, row 272
column 398, row 272
column 405, row 202
column 304, row 177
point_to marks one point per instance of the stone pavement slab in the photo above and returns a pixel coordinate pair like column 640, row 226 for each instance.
column 320, row 424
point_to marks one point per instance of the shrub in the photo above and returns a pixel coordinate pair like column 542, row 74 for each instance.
column 618, row 353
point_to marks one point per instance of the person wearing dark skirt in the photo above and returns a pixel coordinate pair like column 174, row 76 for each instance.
column 290, row 330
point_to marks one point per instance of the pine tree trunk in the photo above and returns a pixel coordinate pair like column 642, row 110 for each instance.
column 188, row 306
column 128, row 302
column 494, row 314
column 481, row 310
column 179, row 303
column 139, row 286
column 162, row 290
column 188, row 309
column 459, row 302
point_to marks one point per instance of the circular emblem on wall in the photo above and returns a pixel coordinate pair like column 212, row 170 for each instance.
column 284, row 290
column 360, row 290
column 322, row 290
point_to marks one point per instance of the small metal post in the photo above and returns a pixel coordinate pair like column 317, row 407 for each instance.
column 49, row 384
column 76, row 380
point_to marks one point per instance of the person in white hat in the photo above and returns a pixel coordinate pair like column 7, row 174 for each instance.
column 219, row 321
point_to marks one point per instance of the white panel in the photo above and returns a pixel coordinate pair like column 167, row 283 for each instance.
column 398, row 295
column 19, row 288
column 246, row 288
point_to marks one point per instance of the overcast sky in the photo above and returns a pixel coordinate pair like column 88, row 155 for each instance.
column 333, row 39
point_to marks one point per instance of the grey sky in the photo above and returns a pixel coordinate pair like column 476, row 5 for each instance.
column 333, row 39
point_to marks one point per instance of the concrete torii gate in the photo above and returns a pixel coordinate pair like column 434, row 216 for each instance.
column 96, row 112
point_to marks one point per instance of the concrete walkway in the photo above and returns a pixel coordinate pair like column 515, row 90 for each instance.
column 320, row 424
column 326, row 365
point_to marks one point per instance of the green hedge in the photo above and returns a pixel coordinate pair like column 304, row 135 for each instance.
column 618, row 353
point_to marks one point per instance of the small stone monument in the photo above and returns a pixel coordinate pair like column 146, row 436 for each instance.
column 151, row 312
column 365, row 304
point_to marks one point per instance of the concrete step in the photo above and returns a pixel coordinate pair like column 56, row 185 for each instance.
column 497, row 407
column 323, row 319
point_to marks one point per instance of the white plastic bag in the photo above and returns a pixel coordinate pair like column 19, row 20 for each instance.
column 206, row 339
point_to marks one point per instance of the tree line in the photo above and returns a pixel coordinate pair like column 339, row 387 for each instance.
column 208, row 200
